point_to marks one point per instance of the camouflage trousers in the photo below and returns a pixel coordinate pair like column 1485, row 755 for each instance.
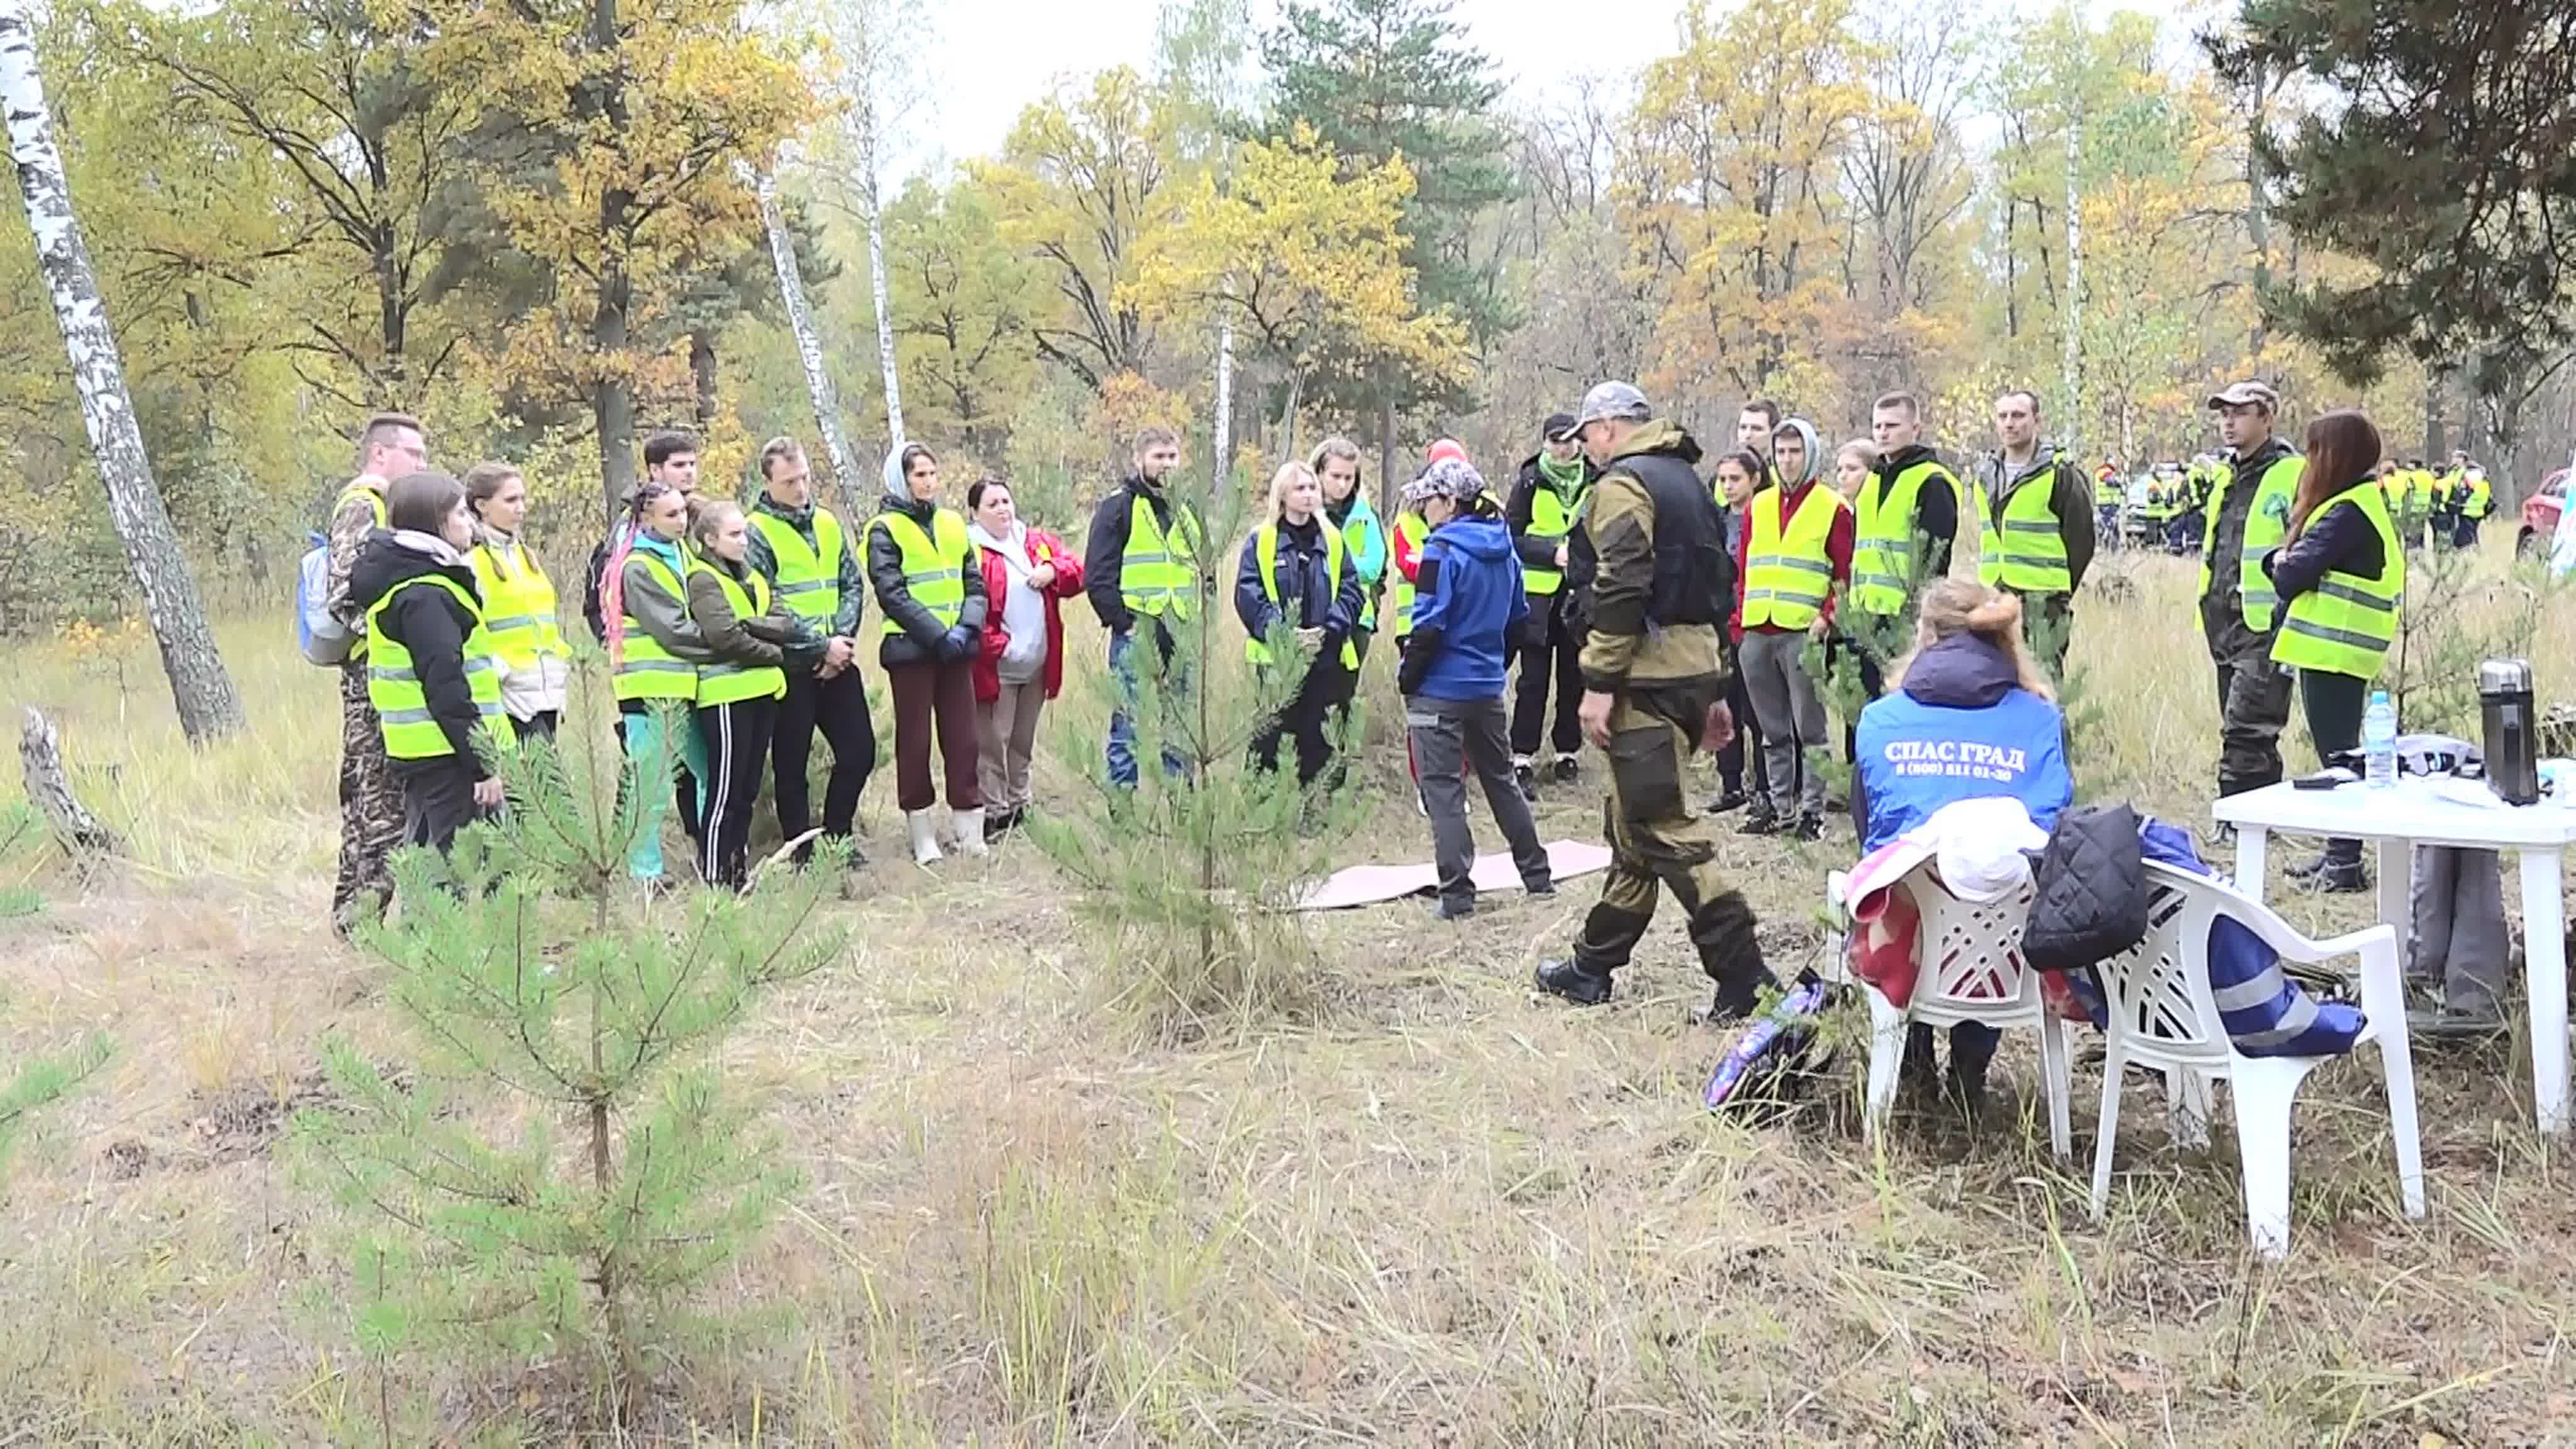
column 2253, row 700
column 371, row 807
column 1656, row 845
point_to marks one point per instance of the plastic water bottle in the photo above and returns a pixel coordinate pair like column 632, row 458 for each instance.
column 2379, row 741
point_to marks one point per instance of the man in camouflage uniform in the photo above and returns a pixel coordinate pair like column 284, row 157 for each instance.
column 1651, row 550
column 371, row 810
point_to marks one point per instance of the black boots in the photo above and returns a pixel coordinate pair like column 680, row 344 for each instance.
column 2337, row 870
column 1574, row 981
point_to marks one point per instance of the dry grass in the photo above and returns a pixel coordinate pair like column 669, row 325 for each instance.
column 1446, row 1216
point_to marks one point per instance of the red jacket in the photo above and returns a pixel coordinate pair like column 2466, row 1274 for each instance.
column 1838, row 551
column 1043, row 548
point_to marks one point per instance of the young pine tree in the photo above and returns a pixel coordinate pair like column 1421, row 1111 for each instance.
column 1192, row 877
column 556, row 1159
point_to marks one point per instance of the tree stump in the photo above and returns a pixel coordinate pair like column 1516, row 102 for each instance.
column 40, row 758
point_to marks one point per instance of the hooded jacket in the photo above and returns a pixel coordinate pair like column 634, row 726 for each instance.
column 919, row 641
column 1839, row 535
column 1962, row 727
column 1306, row 589
column 1653, row 554
column 429, row 622
column 1469, row 605
column 852, row 579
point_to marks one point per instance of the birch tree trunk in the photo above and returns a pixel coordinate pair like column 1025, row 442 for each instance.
column 863, row 129
column 208, row 707
column 1224, row 472
column 809, row 349
column 2074, row 361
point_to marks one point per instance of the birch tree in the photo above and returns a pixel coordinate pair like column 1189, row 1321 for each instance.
column 873, row 39
column 208, row 707
column 809, row 345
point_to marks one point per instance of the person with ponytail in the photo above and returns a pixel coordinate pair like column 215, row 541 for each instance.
column 518, row 603
column 748, row 631
column 1967, row 716
column 654, row 650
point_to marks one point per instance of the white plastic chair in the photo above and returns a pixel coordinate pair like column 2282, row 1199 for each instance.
column 1970, row 969
column 2162, row 1015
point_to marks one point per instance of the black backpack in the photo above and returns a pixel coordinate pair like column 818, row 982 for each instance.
column 2090, row 900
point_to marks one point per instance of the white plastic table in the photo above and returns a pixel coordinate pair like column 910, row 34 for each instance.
column 2419, row 810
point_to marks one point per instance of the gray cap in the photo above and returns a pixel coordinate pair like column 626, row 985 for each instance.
column 1612, row 400
column 2238, row 394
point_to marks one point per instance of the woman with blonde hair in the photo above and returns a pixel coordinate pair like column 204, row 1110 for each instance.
column 1966, row 716
column 519, row 606
column 1297, row 588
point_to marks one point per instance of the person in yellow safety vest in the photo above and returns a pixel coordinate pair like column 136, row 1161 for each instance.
column 1295, row 588
column 431, row 670
column 929, row 583
column 2477, row 499
column 519, row 606
column 1547, row 498
column 1755, row 422
column 1795, row 548
column 2247, row 517
column 2110, row 496
column 1144, row 566
column 2341, row 577
column 654, row 650
column 1904, row 524
column 371, row 808
column 806, row 553
column 1336, row 465
column 747, row 629
column 2035, row 531
column 2418, row 519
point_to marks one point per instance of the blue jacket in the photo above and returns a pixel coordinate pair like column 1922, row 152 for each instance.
column 1306, row 592
column 1468, row 603
column 1961, row 728
column 1365, row 537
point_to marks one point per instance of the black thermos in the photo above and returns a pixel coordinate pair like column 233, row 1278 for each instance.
column 2512, row 746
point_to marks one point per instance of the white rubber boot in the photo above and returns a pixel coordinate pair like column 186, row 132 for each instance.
column 969, row 825
column 925, row 836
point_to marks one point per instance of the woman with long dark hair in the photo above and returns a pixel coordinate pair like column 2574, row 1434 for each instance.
column 2342, row 579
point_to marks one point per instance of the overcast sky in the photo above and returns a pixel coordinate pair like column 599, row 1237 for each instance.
column 996, row 56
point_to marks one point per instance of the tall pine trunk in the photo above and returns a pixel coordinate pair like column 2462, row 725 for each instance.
column 208, row 707
column 809, row 349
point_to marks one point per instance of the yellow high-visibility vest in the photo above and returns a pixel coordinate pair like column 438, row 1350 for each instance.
column 519, row 606
column 809, row 575
column 2025, row 550
column 1789, row 573
column 2346, row 624
column 934, row 563
column 1411, row 528
column 1158, row 572
column 646, row 670
column 1265, row 546
column 1884, row 567
column 733, row 683
column 2267, row 523
column 394, row 687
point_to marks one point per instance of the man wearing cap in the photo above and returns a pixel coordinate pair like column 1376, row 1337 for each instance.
column 2248, row 515
column 1654, row 682
column 1544, row 505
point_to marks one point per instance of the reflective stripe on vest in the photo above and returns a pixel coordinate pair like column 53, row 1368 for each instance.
column 1158, row 573
column 809, row 575
column 2025, row 550
column 1789, row 574
column 1265, row 546
column 2267, row 523
column 393, row 685
column 733, row 683
column 646, row 670
column 1411, row 528
column 934, row 571
column 519, row 606
column 2347, row 622
column 1550, row 517
column 1883, row 561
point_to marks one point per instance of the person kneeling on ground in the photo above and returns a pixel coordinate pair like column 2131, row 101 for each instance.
column 432, row 673
column 1468, row 601
column 1967, row 715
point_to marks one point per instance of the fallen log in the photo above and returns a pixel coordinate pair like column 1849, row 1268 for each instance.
column 49, row 786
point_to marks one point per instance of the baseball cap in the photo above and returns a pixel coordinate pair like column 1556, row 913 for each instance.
column 2238, row 394
column 1558, row 428
column 1612, row 400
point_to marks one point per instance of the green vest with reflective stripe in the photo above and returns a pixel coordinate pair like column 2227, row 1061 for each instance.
column 1412, row 529
column 1157, row 572
column 1550, row 517
column 809, row 575
column 1883, row 562
column 518, row 606
column 1265, row 546
column 2267, row 523
column 2345, row 624
column 1788, row 574
column 2481, row 495
column 646, row 670
column 2025, row 550
column 934, row 563
column 393, row 685
column 733, row 683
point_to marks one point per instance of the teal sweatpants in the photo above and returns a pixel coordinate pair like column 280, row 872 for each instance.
column 643, row 742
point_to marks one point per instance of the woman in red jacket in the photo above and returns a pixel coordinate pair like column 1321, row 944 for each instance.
column 1027, row 574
